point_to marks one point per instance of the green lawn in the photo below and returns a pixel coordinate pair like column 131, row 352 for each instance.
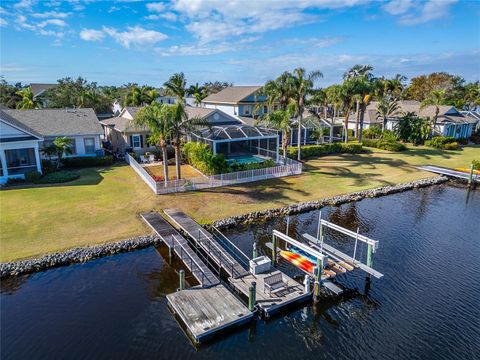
column 103, row 204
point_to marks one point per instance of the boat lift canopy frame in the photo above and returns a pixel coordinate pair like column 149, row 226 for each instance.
column 350, row 233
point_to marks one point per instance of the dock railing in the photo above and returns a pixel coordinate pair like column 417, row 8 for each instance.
column 284, row 167
column 233, row 249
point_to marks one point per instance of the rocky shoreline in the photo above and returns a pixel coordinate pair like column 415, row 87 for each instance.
column 77, row 255
column 332, row 201
column 80, row 255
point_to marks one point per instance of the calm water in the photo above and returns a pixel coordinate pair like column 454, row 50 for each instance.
column 426, row 307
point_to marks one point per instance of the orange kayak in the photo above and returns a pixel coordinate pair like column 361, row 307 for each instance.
column 297, row 260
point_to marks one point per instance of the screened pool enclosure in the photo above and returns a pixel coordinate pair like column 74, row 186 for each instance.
column 238, row 141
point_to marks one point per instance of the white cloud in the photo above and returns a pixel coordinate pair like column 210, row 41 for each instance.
column 91, row 35
column 156, row 7
column 57, row 22
column 22, row 22
column 169, row 16
column 58, row 34
column 3, row 22
column 411, row 12
column 24, row 4
column 51, row 14
column 135, row 35
column 398, row 7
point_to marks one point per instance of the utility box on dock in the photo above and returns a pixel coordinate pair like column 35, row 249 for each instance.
column 260, row 265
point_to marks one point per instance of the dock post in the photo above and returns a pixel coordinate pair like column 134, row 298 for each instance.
column 306, row 284
column 470, row 176
column 318, row 280
column 251, row 296
column 182, row 279
column 274, row 250
column 369, row 255
column 255, row 254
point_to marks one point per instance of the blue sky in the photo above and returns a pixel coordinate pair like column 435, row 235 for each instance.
column 240, row 41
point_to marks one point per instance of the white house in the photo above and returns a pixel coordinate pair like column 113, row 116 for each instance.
column 24, row 133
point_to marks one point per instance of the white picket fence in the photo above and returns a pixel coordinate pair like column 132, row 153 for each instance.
column 285, row 167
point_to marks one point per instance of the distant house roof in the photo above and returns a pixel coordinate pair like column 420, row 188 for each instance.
column 201, row 112
column 38, row 88
column 58, row 122
column 231, row 94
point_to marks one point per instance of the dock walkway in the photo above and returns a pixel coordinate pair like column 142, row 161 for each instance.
column 207, row 311
column 177, row 243
column 206, row 242
column 449, row 172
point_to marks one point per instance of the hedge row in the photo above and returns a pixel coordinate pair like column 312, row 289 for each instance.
column 201, row 157
column 389, row 145
column 87, row 161
column 441, row 142
column 309, row 151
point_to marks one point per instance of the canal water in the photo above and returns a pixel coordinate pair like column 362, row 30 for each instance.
column 427, row 306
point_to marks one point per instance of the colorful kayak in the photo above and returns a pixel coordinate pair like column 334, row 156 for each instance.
column 297, row 260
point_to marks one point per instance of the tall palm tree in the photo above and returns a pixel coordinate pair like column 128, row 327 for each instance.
column 278, row 120
column 158, row 119
column 363, row 89
column 348, row 97
column 334, row 97
column 27, row 102
column 181, row 126
column 198, row 92
column 149, row 95
column 134, row 96
column 176, row 86
column 279, row 91
column 302, row 86
column 386, row 108
column 435, row 98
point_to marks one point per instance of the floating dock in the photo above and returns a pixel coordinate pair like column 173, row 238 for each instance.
column 206, row 242
column 450, row 172
column 208, row 311
column 270, row 304
column 179, row 245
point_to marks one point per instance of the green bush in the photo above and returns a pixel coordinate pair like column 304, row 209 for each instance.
column 13, row 181
column 475, row 139
column 476, row 164
column 309, row 151
column 201, row 157
column 32, row 176
column 451, row 146
column 58, row 177
column 439, row 142
column 389, row 135
column 384, row 144
column 372, row 132
column 87, row 161
column 48, row 167
column 462, row 141
column 252, row 166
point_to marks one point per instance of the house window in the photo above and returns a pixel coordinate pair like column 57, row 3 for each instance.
column 89, row 145
column 20, row 160
column 247, row 110
column 265, row 109
column 136, row 143
column 73, row 147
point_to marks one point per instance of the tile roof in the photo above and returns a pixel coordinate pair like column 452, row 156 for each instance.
column 231, row 94
column 58, row 122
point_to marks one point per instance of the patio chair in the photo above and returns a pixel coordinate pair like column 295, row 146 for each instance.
column 151, row 158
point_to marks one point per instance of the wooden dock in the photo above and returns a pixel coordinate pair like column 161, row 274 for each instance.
column 449, row 172
column 205, row 312
column 206, row 241
column 177, row 243
column 279, row 299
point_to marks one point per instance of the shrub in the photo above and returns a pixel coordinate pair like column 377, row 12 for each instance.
column 439, row 142
column 476, row 164
column 48, row 167
column 252, row 166
column 462, row 141
column 475, row 139
column 87, row 161
column 58, row 177
column 201, row 157
column 13, row 181
column 451, row 146
column 372, row 132
column 389, row 135
column 309, row 151
column 384, row 144
column 32, row 176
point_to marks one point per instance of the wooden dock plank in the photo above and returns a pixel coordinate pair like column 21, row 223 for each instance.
column 207, row 311
column 270, row 304
column 207, row 242
column 174, row 240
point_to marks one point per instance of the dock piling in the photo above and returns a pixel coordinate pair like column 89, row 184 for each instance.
column 274, row 250
column 318, row 280
column 255, row 253
column 182, row 279
column 369, row 255
column 470, row 176
column 251, row 296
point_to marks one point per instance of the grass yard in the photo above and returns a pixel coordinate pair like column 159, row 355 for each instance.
column 104, row 204
column 187, row 171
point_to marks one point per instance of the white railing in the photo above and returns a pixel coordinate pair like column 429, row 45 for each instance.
column 284, row 167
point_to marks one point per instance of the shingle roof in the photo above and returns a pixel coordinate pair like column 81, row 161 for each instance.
column 231, row 94
column 58, row 122
column 11, row 120
column 122, row 124
column 193, row 111
column 38, row 88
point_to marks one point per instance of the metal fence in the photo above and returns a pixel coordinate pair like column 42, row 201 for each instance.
column 284, row 167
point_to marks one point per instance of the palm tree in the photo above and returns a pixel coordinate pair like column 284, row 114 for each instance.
column 181, row 126
column 436, row 98
column 133, row 96
column 27, row 102
column 334, row 97
column 198, row 92
column 363, row 89
column 62, row 145
column 176, row 86
column 278, row 120
column 347, row 96
column 158, row 119
column 387, row 108
column 302, row 86
column 149, row 95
